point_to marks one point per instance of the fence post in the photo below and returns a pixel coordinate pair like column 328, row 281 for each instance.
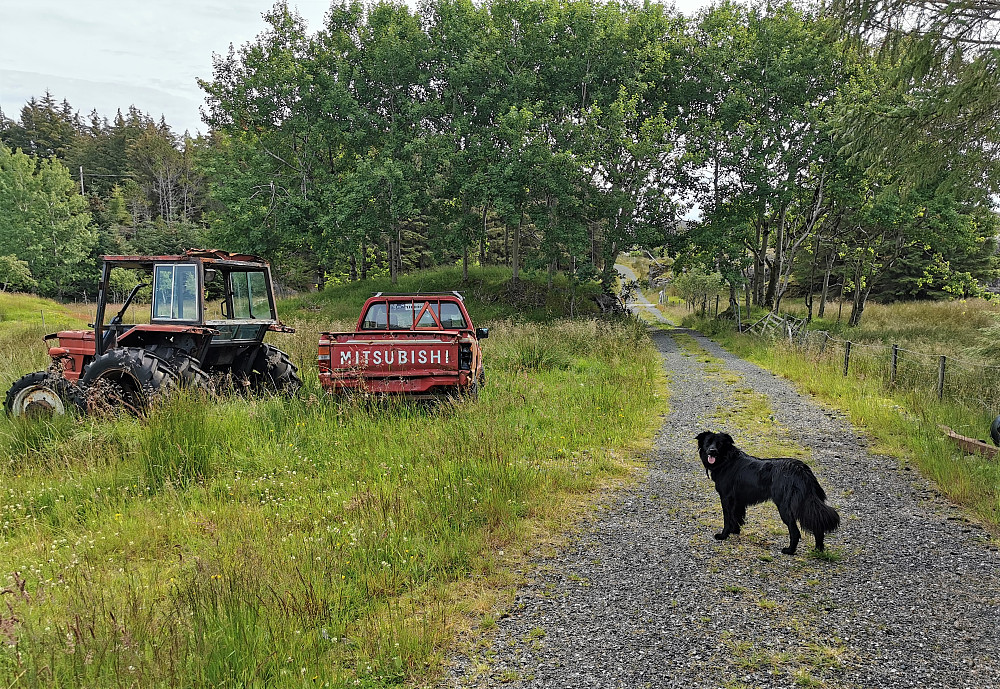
column 716, row 305
column 822, row 345
column 941, row 377
column 895, row 364
column 847, row 357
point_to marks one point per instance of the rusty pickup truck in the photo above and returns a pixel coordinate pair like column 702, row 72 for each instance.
column 418, row 345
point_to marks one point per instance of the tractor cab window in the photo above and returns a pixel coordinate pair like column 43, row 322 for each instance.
column 175, row 292
column 250, row 298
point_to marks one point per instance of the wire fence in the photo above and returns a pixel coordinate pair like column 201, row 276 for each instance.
column 969, row 384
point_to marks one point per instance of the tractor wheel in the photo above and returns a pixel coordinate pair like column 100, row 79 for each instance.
column 189, row 374
column 127, row 379
column 273, row 372
column 995, row 431
column 43, row 394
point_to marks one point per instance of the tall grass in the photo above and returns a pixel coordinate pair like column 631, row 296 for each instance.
column 309, row 542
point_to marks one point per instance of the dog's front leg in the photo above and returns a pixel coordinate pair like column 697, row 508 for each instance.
column 729, row 523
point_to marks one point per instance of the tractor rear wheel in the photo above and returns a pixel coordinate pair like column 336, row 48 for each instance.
column 43, row 394
column 273, row 372
column 189, row 373
column 128, row 378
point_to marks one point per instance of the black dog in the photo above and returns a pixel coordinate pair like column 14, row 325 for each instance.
column 742, row 480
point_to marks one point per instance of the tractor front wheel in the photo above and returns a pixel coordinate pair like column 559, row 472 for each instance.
column 43, row 394
column 127, row 379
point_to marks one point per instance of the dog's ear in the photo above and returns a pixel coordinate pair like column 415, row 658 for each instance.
column 701, row 438
column 726, row 440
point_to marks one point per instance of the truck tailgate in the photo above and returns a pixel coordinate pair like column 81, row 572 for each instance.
column 390, row 353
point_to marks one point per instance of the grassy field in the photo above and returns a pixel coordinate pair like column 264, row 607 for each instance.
column 904, row 417
column 303, row 543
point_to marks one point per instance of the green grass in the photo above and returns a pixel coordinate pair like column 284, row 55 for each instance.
column 310, row 542
column 903, row 419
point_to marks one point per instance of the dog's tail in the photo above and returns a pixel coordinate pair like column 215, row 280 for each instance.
column 817, row 517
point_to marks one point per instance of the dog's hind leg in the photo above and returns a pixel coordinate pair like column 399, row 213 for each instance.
column 819, row 540
column 793, row 530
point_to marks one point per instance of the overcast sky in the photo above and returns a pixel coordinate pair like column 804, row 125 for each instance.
column 105, row 55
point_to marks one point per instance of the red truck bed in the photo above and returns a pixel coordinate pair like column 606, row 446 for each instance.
column 401, row 346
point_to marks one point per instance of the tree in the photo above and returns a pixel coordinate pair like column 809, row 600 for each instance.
column 44, row 222
column 15, row 274
column 769, row 78
column 941, row 64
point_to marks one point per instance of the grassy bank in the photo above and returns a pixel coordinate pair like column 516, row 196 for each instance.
column 303, row 543
column 488, row 292
column 903, row 418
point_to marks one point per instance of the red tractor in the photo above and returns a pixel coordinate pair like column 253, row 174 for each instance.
column 189, row 341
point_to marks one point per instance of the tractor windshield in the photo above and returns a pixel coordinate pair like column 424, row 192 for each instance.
column 175, row 292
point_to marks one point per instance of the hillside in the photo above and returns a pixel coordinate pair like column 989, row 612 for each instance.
column 489, row 295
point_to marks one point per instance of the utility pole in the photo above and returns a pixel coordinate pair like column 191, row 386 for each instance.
column 82, row 192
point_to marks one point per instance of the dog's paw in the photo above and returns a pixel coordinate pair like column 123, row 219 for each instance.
column 721, row 536
column 788, row 551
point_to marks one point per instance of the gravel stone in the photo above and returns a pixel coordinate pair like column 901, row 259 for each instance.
column 643, row 596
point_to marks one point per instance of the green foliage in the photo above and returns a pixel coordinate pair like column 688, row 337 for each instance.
column 552, row 136
column 697, row 287
column 44, row 222
column 15, row 274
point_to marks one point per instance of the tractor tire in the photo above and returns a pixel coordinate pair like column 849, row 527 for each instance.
column 273, row 373
column 127, row 379
column 43, row 394
column 190, row 374
column 995, row 431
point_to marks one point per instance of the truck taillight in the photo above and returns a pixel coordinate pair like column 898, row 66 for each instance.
column 465, row 356
column 323, row 360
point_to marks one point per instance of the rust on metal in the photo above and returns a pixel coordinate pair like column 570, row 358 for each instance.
column 970, row 445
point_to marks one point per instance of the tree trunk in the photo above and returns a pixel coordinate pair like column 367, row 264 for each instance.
column 840, row 301
column 392, row 261
column 482, row 240
column 830, row 260
column 465, row 263
column 760, row 263
column 364, row 261
column 779, row 262
column 399, row 250
column 516, row 253
column 812, row 281
column 734, row 306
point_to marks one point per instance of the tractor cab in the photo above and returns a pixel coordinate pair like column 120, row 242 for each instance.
column 204, row 303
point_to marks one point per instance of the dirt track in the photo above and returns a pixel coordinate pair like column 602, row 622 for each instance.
column 643, row 596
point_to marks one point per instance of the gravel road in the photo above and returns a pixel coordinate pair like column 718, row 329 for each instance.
column 643, row 596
